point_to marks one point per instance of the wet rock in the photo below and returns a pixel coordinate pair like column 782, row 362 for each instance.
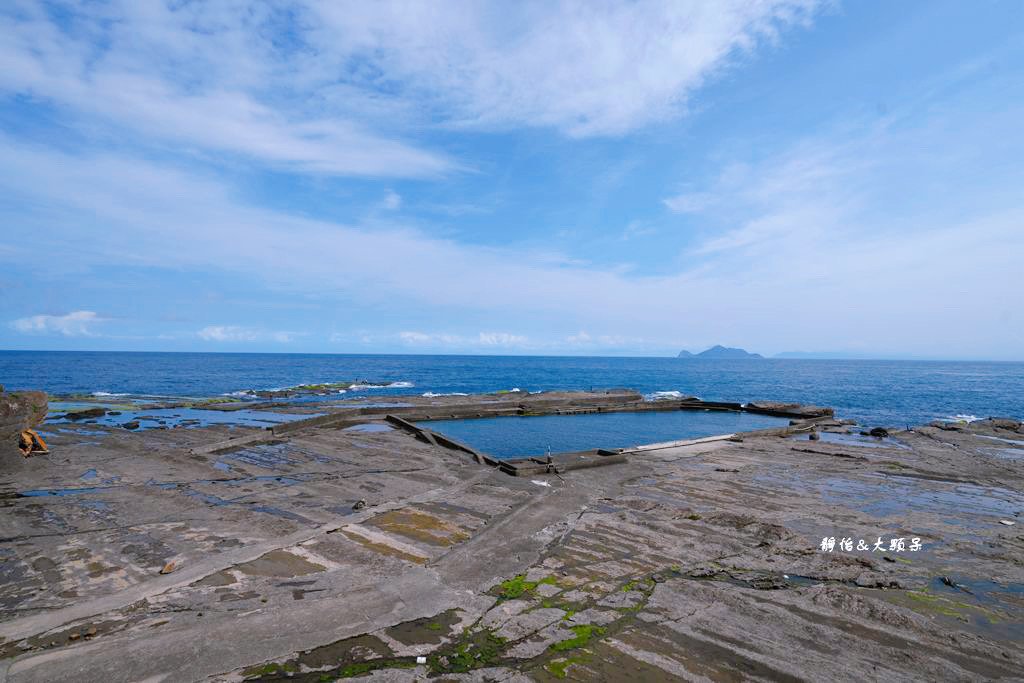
column 86, row 414
column 783, row 408
column 134, row 424
column 872, row 580
column 359, row 504
column 879, row 432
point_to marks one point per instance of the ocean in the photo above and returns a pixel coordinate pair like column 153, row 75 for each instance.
column 889, row 393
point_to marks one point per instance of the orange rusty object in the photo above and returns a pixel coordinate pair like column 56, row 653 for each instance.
column 32, row 444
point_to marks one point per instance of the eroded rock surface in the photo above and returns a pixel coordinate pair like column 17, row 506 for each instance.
column 693, row 562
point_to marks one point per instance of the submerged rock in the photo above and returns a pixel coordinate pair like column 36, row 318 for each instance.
column 86, row 414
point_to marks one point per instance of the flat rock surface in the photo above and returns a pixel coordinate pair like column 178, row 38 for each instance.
column 143, row 556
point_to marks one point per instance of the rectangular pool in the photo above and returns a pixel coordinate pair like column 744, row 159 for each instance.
column 509, row 437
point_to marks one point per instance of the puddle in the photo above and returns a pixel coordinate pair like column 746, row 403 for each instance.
column 186, row 418
column 222, row 466
column 369, row 428
column 89, row 474
column 515, row 436
column 44, row 493
column 82, row 432
column 425, row 631
column 989, row 607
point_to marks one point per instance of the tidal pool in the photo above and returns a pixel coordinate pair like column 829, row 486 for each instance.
column 509, row 437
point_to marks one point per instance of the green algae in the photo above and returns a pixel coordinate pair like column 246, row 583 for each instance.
column 559, row 668
column 473, row 650
column 584, row 632
column 518, row 586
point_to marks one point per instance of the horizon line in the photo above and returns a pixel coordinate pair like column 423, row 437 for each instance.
column 777, row 357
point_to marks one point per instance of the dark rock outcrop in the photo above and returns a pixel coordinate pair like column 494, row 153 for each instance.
column 86, row 414
column 788, row 409
column 19, row 410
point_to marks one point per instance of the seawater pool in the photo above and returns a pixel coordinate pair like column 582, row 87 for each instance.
column 509, row 437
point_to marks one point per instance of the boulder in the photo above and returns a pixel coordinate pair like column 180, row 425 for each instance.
column 19, row 410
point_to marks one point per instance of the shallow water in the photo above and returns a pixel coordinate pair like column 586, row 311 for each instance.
column 188, row 417
column 507, row 437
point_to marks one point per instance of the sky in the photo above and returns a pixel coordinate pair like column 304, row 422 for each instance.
column 544, row 178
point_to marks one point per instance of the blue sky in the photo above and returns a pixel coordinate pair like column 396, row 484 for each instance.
column 623, row 178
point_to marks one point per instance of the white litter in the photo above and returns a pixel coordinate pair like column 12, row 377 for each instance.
column 538, row 482
column 1007, row 522
column 421, row 660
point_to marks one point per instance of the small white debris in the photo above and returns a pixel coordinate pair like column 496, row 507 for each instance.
column 785, row 576
column 538, row 482
column 421, row 660
column 1007, row 522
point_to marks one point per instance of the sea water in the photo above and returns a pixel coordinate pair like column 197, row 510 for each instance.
column 888, row 393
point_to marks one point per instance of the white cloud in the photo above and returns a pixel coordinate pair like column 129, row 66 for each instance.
column 501, row 339
column 580, row 338
column 583, row 68
column 199, row 78
column 689, row 202
column 482, row 339
column 821, row 228
column 392, row 201
column 74, row 324
column 235, row 333
column 348, row 83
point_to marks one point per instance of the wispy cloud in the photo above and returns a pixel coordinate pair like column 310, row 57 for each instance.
column 392, row 201
column 482, row 339
column 74, row 324
column 339, row 94
column 585, row 69
column 235, row 333
column 199, row 78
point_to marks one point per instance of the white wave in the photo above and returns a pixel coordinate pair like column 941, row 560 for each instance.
column 664, row 395
column 962, row 418
column 392, row 385
column 98, row 394
column 431, row 394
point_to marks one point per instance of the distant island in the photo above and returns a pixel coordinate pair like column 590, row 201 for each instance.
column 718, row 351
